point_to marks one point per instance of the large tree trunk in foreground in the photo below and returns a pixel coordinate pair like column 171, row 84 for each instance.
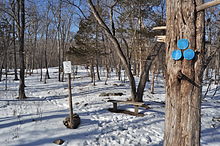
column 183, row 77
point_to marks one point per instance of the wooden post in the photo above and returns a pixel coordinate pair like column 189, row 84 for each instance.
column 70, row 100
column 68, row 70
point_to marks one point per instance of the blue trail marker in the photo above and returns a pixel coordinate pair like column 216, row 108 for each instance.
column 176, row 54
column 182, row 44
column 189, row 54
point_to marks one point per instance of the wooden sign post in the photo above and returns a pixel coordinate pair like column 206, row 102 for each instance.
column 68, row 70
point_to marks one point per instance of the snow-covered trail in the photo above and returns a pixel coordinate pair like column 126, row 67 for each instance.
column 38, row 119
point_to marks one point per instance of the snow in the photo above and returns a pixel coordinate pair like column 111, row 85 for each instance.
column 38, row 120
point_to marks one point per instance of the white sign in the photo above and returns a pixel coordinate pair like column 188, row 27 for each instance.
column 67, row 67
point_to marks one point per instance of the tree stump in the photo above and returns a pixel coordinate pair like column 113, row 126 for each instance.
column 76, row 121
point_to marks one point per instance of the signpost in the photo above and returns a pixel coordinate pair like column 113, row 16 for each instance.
column 68, row 70
column 67, row 67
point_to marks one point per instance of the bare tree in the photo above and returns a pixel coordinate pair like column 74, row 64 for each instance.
column 136, row 92
column 21, row 29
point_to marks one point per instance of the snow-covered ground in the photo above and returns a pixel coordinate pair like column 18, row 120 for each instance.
column 38, row 120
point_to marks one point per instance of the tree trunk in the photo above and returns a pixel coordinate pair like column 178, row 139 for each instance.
column 59, row 41
column 63, row 48
column 207, row 70
column 118, row 70
column 217, row 66
column 35, row 48
column 2, row 65
column 6, row 69
column 21, row 6
column 6, row 45
column 97, row 70
column 46, row 66
column 14, row 47
column 153, row 78
column 59, row 61
column 135, row 68
column 45, row 53
column 76, row 70
column 208, row 52
column 92, row 73
column 140, row 43
column 41, row 67
column 184, row 77
column 107, row 74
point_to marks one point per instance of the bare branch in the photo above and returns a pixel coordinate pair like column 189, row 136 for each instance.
column 159, row 27
column 111, row 17
column 207, row 5
column 78, row 7
column 10, row 14
column 98, row 18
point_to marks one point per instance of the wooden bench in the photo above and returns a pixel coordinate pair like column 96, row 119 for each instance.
column 136, row 104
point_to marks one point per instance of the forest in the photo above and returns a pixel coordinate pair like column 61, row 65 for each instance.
column 143, row 72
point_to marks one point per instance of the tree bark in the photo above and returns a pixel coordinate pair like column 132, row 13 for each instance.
column 6, row 45
column 59, row 41
column 217, row 65
column 107, row 74
column 41, row 66
column 45, row 52
column 92, row 71
column 183, row 77
column 21, row 7
column 153, row 79
column 118, row 70
column 35, row 48
column 62, row 57
column 97, row 70
column 2, row 65
column 14, row 47
column 46, row 67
